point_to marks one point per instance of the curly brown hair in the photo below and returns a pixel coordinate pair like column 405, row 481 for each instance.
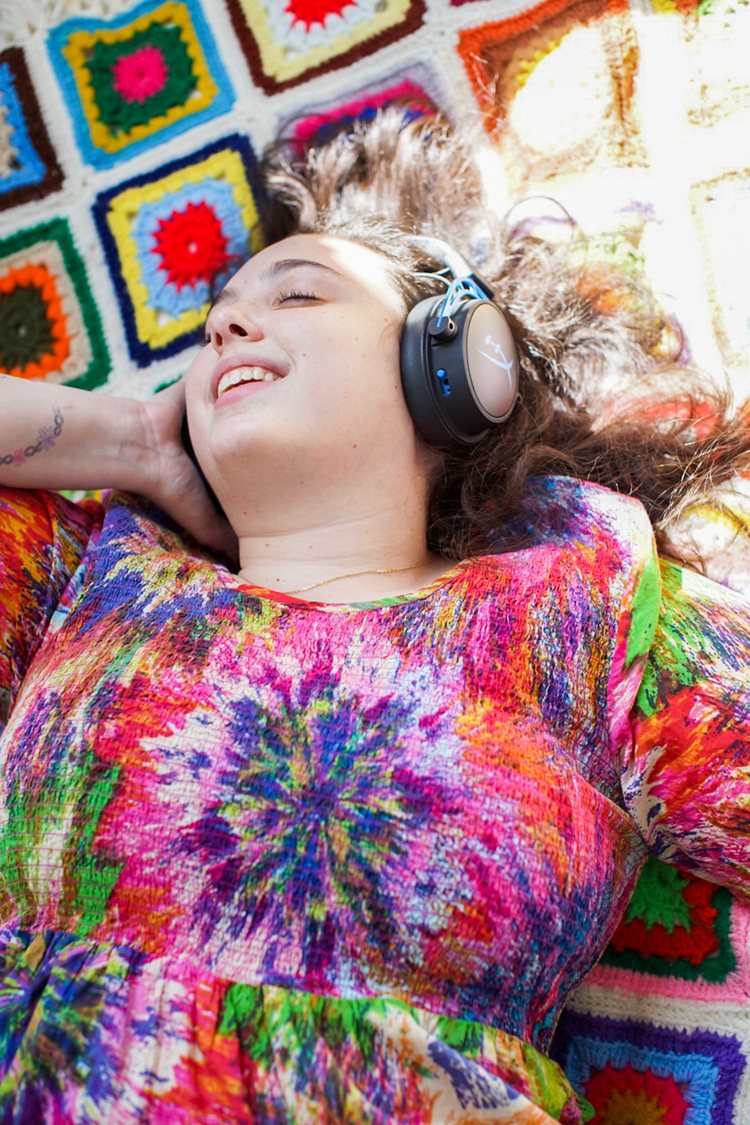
column 595, row 402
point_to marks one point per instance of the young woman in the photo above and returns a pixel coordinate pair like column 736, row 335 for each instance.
column 322, row 821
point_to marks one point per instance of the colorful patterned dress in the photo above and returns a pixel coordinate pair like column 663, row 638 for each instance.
column 271, row 860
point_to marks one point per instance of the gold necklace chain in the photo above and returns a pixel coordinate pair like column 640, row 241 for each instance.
column 358, row 574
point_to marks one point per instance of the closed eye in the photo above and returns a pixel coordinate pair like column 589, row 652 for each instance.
column 294, row 295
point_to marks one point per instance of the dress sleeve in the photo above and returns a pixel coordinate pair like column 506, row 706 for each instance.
column 42, row 539
column 686, row 775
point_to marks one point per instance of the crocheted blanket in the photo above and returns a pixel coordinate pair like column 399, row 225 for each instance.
column 129, row 136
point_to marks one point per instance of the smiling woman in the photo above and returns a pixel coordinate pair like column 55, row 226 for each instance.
column 327, row 437
column 274, row 858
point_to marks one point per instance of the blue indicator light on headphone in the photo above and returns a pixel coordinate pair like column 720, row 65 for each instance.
column 442, row 377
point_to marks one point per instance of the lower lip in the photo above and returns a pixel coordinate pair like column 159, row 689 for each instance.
column 242, row 390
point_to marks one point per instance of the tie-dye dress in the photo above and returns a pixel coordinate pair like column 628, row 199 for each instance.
column 265, row 859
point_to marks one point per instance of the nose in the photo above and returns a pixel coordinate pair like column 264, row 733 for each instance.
column 231, row 321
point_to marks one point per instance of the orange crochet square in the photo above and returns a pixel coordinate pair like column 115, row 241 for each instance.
column 556, row 86
column 39, row 317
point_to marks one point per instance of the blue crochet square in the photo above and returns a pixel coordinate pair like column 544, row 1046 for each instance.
column 28, row 167
column 619, row 1066
column 132, row 82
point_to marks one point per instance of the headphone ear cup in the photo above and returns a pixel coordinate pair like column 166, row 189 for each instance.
column 417, row 379
column 463, row 382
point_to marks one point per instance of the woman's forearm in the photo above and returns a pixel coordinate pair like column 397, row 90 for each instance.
column 59, row 437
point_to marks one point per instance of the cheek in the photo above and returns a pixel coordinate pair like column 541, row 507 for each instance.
column 197, row 373
column 389, row 352
column 196, row 405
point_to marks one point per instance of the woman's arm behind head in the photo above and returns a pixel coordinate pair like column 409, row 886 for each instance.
column 56, row 437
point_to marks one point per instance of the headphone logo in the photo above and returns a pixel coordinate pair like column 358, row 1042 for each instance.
column 504, row 362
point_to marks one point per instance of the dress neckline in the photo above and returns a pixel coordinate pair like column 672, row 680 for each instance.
column 426, row 591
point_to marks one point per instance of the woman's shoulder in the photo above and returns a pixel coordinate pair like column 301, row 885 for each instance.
column 38, row 517
column 569, row 514
column 37, row 521
column 137, row 529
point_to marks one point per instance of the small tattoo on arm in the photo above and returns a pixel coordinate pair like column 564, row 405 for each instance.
column 46, row 438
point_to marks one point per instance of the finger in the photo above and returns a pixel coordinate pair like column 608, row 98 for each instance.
column 200, row 518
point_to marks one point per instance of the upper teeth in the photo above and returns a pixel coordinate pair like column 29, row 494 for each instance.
column 244, row 375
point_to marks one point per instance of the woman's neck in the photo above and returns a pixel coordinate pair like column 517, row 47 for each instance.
column 366, row 557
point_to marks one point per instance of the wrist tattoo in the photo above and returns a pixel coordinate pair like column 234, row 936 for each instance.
column 46, row 438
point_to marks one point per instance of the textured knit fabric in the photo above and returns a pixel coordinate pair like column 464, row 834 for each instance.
column 270, row 860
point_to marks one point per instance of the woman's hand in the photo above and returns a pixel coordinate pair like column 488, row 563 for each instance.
column 171, row 477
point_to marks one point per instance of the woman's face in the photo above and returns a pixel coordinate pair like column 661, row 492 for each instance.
column 300, row 370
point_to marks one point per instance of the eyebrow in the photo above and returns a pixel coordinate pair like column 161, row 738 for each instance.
column 270, row 273
column 283, row 265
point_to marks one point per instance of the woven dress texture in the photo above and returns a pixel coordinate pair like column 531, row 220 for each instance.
column 270, row 860
column 130, row 132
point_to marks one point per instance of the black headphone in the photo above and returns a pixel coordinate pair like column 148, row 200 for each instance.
column 459, row 361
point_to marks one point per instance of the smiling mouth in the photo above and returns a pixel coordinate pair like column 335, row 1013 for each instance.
column 239, row 375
